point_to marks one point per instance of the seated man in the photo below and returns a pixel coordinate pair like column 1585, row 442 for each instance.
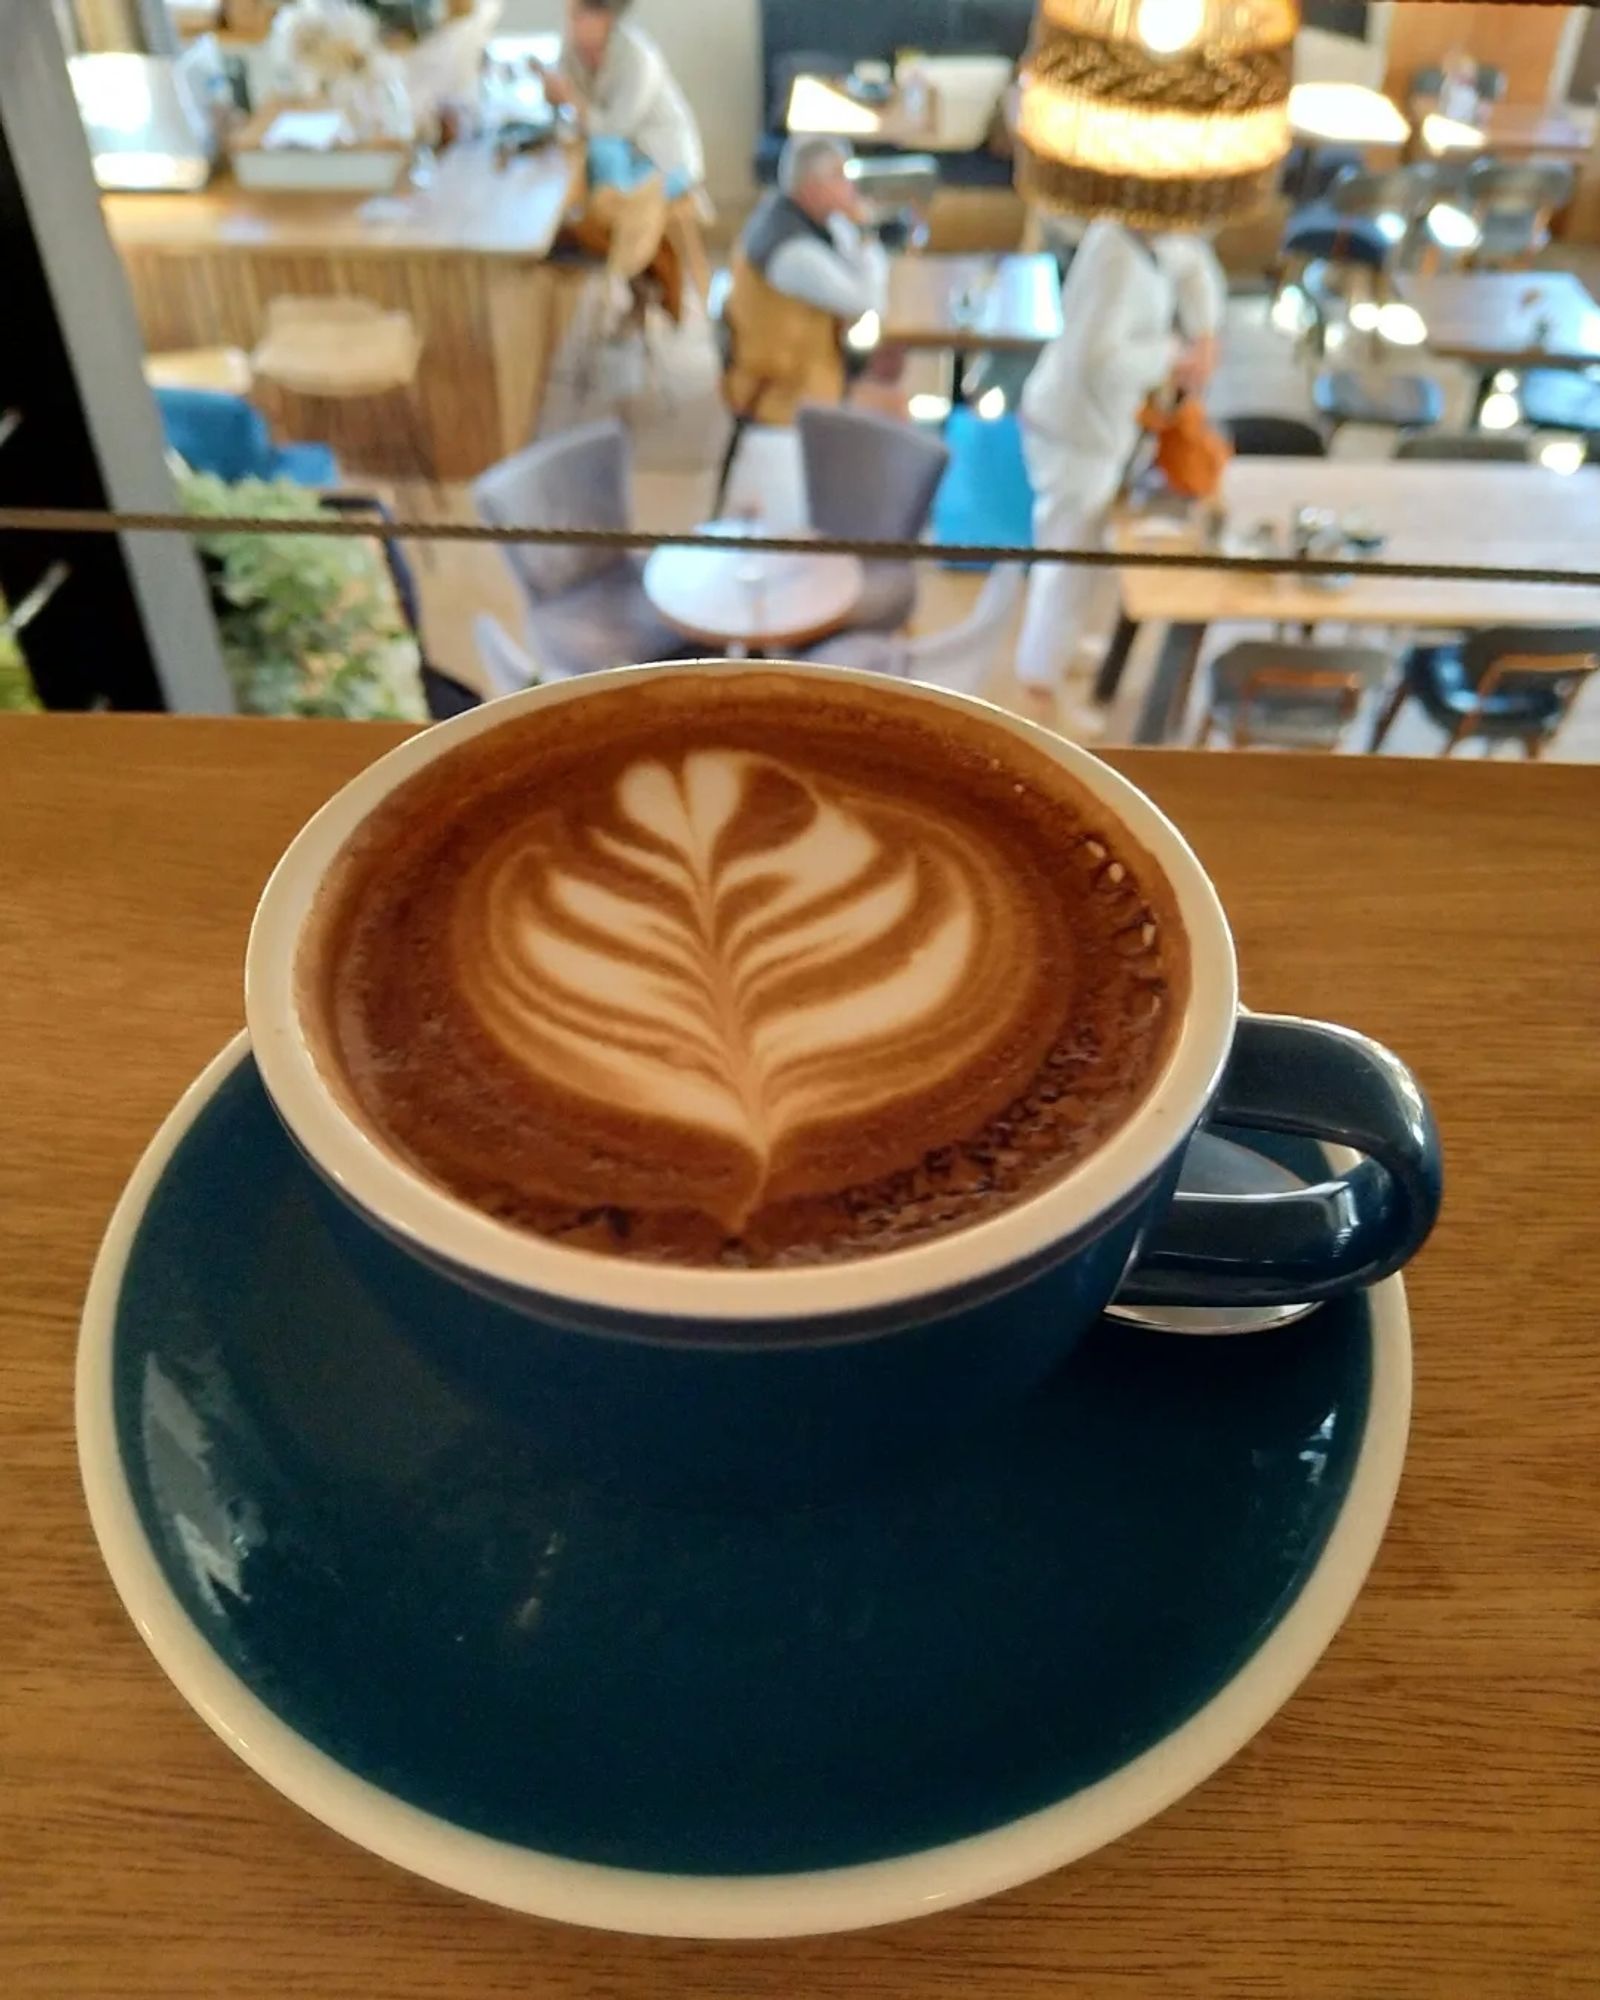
column 803, row 273
column 618, row 81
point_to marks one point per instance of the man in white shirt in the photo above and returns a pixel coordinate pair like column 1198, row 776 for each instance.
column 1137, row 312
column 618, row 79
column 804, row 271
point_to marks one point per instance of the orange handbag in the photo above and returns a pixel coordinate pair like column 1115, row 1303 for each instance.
column 1190, row 453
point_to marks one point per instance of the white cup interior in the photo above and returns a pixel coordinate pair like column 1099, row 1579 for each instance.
column 417, row 1211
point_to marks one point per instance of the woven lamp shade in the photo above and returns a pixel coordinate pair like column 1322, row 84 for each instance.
column 1115, row 121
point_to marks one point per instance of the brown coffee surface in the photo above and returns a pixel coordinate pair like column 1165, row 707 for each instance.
column 747, row 970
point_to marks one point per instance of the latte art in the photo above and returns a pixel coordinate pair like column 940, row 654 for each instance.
column 743, row 969
column 742, row 946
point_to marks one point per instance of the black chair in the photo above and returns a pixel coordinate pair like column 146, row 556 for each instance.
column 1275, row 437
column 1508, row 684
column 1363, row 218
column 1482, row 447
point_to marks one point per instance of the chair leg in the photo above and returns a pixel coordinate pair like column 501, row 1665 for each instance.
column 735, row 439
column 1386, row 715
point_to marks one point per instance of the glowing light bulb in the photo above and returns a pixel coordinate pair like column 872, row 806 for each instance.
column 992, row 403
column 926, row 409
column 1562, row 454
column 863, row 336
column 1401, row 325
column 1364, row 315
column 1451, row 227
column 1165, row 26
column 1500, row 411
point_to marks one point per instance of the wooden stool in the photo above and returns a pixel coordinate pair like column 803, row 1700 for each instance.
column 342, row 350
column 223, row 369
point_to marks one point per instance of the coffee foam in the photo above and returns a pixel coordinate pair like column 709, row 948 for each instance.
column 707, row 955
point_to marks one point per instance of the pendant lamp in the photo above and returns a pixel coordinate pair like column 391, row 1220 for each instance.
column 1165, row 114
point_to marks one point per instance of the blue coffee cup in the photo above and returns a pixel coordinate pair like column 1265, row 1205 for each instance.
column 761, row 1369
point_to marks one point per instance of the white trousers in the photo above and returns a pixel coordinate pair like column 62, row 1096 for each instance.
column 1073, row 492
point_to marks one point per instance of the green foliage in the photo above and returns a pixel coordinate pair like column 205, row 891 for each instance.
column 16, row 683
column 309, row 625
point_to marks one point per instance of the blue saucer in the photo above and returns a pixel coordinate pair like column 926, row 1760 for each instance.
column 676, row 1716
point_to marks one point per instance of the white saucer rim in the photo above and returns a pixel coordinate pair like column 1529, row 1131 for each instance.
column 757, row 1906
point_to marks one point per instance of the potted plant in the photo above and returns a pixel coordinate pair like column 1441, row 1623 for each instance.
column 310, row 624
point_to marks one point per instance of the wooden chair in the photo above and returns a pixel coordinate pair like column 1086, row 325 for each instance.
column 1288, row 694
column 344, row 349
column 1507, row 684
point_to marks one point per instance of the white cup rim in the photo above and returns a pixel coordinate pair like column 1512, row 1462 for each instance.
column 438, row 1224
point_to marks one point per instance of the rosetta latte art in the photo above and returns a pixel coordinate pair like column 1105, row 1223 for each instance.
column 744, row 948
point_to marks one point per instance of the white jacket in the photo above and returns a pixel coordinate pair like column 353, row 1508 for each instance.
column 1124, row 304
column 634, row 95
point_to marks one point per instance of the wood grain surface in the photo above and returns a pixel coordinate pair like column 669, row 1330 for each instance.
column 466, row 258
column 1521, row 516
column 1422, row 1819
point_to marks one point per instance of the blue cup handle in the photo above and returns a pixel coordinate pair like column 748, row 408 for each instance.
column 1317, row 1082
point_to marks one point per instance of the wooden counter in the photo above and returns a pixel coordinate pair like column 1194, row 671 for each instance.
column 465, row 256
column 1420, row 1820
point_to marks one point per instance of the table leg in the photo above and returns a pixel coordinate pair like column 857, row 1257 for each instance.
column 1170, row 684
column 1112, row 667
column 958, row 378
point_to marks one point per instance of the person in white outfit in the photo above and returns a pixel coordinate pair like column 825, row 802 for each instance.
column 1138, row 311
column 618, row 79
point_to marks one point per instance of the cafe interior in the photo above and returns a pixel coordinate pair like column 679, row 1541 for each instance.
column 442, row 271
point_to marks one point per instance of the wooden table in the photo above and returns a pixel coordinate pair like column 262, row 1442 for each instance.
column 1492, row 319
column 1418, row 1823
column 973, row 305
column 759, row 603
column 466, row 256
column 1519, row 516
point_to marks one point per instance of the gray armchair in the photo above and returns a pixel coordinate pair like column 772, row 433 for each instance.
column 586, row 606
column 871, row 478
column 959, row 658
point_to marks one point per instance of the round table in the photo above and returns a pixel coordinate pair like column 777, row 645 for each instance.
column 750, row 600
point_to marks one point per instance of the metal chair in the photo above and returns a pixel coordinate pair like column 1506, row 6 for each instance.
column 1513, row 203
column 1484, row 447
column 871, row 478
column 587, row 607
column 960, row 658
column 1275, row 437
column 1508, row 684
column 1289, row 695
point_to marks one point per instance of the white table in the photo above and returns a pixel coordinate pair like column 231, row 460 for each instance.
column 1521, row 517
column 752, row 601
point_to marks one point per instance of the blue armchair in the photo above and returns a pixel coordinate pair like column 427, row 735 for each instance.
column 227, row 436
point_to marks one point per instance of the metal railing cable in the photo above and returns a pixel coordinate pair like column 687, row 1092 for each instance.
column 75, row 521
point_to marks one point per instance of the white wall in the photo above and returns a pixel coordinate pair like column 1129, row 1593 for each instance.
column 714, row 47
